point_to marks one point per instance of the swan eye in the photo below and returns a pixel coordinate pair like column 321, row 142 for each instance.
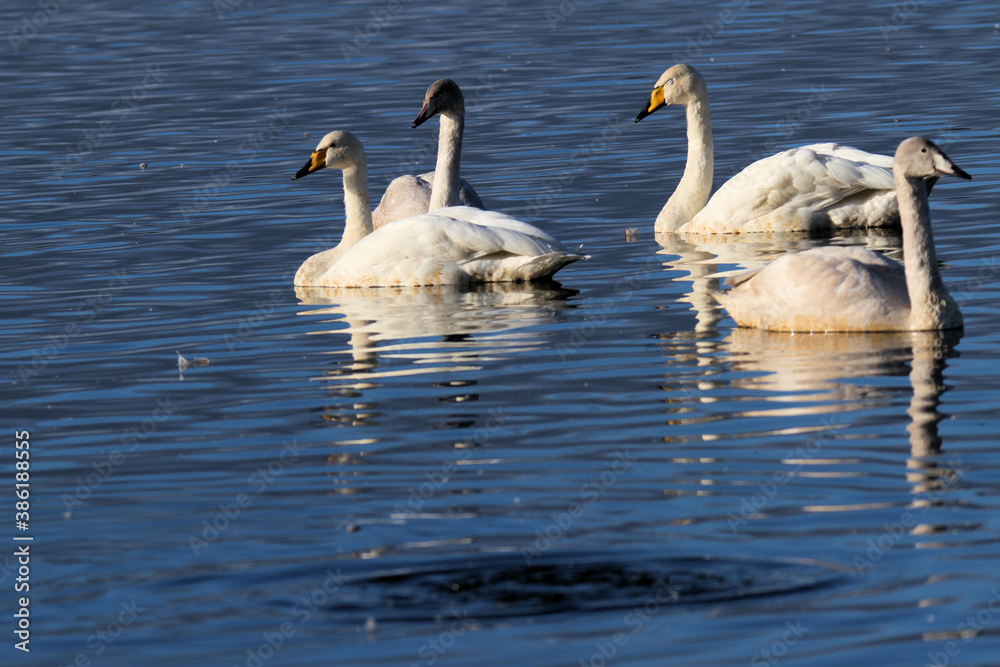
column 923, row 150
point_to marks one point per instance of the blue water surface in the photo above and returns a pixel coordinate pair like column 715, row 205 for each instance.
column 598, row 471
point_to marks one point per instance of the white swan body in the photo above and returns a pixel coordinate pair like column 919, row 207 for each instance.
column 807, row 188
column 855, row 289
column 454, row 245
column 813, row 187
column 412, row 195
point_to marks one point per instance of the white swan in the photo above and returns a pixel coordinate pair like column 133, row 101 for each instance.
column 856, row 289
column 455, row 245
column 411, row 195
column 811, row 187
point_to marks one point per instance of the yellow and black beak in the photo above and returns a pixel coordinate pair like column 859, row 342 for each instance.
column 316, row 162
column 655, row 102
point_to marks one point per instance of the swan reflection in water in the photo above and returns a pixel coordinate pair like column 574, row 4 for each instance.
column 425, row 344
column 826, row 373
column 437, row 330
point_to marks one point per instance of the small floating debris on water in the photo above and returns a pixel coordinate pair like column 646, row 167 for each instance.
column 305, row 135
column 370, row 625
column 631, row 234
column 353, row 528
column 142, row 165
column 183, row 363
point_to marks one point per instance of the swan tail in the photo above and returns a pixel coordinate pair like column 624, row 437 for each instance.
column 545, row 266
column 740, row 278
column 518, row 268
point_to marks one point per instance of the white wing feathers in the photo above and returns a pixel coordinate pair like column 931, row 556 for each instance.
column 798, row 188
column 453, row 245
column 833, row 288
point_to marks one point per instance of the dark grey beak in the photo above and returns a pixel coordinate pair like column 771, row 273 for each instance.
column 961, row 173
column 426, row 113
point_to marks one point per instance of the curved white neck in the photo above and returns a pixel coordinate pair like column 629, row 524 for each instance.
column 445, row 189
column 357, row 206
column 930, row 304
column 695, row 185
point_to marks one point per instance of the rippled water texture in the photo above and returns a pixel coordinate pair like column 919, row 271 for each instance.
column 599, row 471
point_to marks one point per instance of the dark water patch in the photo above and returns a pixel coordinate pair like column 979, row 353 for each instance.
column 523, row 585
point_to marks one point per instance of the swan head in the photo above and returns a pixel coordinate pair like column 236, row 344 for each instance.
column 443, row 96
column 678, row 85
column 337, row 150
column 921, row 158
